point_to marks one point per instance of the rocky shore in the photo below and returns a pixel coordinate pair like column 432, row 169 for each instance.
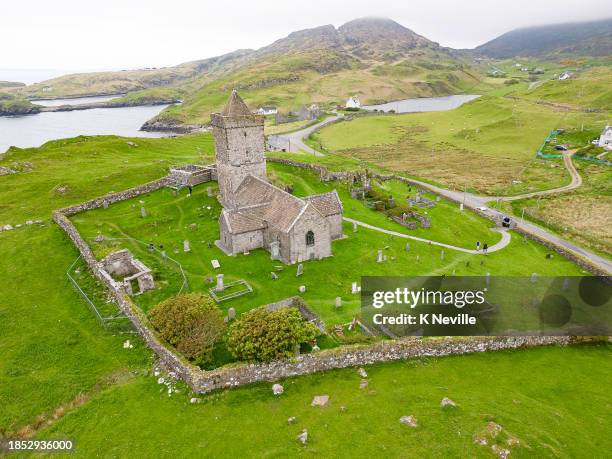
column 161, row 126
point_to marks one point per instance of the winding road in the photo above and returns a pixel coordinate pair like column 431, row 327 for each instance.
column 294, row 143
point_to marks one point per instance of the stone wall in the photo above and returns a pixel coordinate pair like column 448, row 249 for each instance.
column 344, row 357
column 241, row 374
column 116, row 197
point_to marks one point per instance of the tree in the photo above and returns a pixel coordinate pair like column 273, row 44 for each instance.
column 192, row 323
column 265, row 335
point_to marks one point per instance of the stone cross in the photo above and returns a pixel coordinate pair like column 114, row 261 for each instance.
column 300, row 270
column 143, row 212
column 220, row 287
column 338, row 302
column 186, row 247
column 380, row 258
column 231, row 314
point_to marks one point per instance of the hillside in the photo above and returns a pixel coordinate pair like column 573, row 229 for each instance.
column 592, row 38
column 375, row 59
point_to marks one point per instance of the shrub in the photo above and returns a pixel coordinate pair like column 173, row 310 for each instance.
column 192, row 323
column 265, row 335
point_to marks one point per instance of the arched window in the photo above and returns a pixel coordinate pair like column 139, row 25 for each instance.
column 309, row 238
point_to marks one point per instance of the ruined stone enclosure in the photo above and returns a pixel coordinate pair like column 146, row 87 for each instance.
column 191, row 175
column 127, row 272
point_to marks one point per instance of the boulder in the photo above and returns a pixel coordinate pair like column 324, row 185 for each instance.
column 291, row 420
column 361, row 372
column 303, row 437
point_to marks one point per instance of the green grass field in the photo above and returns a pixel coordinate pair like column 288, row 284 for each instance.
column 553, row 400
column 484, row 145
column 63, row 375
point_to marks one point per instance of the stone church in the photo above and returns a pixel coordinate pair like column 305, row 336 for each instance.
column 256, row 213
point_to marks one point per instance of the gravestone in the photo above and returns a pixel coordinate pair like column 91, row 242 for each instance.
column 274, row 275
column 215, row 264
column 186, row 247
column 302, row 289
column 407, row 246
column 391, row 201
column 300, row 270
column 209, row 192
column 105, row 204
column 354, row 288
column 354, row 227
column 163, row 253
column 231, row 314
column 534, row 277
column 441, row 254
column 488, row 279
column 418, row 258
column 275, row 250
column 143, row 212
column 438, row 198
column 219, row 287
column 379, row 258
column 338, row 302
column 461, row 207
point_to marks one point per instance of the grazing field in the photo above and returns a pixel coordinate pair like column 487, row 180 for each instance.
column 554, row 401
column 483, row 145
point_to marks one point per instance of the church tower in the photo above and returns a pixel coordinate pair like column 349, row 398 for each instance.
column 239, row 146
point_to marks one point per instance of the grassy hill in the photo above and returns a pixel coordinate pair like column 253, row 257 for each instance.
column 593, row 38
column 377, row 59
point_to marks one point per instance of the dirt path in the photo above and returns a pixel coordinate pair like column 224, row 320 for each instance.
column 505, row 240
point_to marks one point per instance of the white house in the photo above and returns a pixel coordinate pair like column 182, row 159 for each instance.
column 267, row 110
column 353, row 102
column 605, row 139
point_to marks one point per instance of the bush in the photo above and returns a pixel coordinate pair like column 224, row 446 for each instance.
column 265, row 335
column 192, row 323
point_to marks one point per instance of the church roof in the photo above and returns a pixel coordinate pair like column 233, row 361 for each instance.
column 263, row 201
column 235, row 106
column 327, row 203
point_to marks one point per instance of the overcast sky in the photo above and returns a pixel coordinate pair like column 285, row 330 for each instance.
column 116, row 34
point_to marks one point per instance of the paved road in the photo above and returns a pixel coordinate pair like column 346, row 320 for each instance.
column 575, row 183
column 505, row 240
column 294, row 141
column 474, row 202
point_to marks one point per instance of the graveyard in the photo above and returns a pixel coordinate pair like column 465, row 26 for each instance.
column 172, row 233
